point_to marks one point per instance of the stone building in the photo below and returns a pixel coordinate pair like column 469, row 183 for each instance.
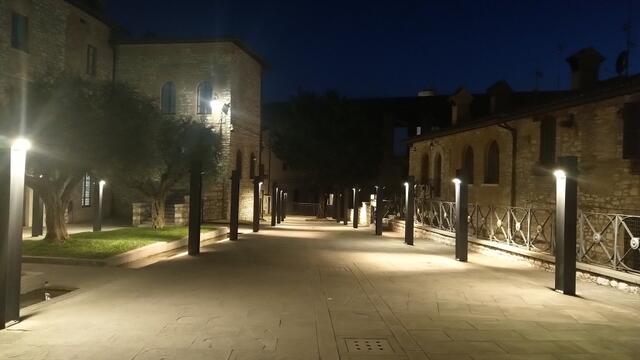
column 510, row 147
column 218, row 80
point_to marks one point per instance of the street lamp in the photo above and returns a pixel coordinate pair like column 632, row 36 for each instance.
column 11, row 213
column 566, row 224
column 462, row 220
column 97, row 220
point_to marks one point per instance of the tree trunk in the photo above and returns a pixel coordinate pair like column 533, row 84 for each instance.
column 56, row 226
column 157, row 211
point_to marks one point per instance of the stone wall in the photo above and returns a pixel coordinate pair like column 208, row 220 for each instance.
column 592, row 132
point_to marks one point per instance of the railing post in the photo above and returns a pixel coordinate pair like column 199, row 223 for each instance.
column 195, row 207
column 379, row 208
column 235, row 205
column 566, row 217
column 274, row 203
column 356, row 206
column 409, row 211
column 462, row 221
column 616, row 225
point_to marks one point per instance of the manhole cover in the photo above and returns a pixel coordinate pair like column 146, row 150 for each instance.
column 370, row 346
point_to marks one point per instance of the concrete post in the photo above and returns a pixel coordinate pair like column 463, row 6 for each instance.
column 257, row 186
column 195, row 207
column 235, row 205
column 97, row 216
column 37, row 223
column 379, row 208
column 566, row 224
column 356, row 206
column 345, row 206
column 462, row 216
column 274, row 204
column 409, row 211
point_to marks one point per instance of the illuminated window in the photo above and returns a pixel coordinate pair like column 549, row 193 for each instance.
column 205, row 95
column 168, row 98
column 87, row 191
column 91, row 60
column 492, row 165
column 19, row 32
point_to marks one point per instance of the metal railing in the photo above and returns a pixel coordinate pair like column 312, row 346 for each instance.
column 609, row 240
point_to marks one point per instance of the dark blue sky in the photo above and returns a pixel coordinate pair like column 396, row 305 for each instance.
column 396, row 48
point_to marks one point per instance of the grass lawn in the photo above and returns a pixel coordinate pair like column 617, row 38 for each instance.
column 101, row 245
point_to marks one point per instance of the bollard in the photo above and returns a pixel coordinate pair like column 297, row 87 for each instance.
column 409, row 211
column 379, row 209
column 566, row 224
column 195, row 208
column 235, row 205
column 462, row 216
column 257, row 187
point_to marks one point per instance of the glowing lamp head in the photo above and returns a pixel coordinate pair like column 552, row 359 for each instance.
column 102, row 183
column 216, row 105
column 21, row 144
column 406, row 184
column 560, row 174
column 456, row 181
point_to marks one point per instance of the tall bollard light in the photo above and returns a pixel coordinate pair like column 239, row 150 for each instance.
column 257, row 188
column 235, row 205
column 345, row 206
column 279, row 211
column 566, row 224
column 37, row 223
column 274, row 204
column 195, row 208
column 356, row 206
column 97, row 217
column 409, row 210
column 379, row 209
column 12, row 173
column 462, row 216
column 285, row 196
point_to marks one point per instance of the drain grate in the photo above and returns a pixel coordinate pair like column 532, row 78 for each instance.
column 369, row 346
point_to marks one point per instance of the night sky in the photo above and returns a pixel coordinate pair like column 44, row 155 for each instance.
column 396, row 48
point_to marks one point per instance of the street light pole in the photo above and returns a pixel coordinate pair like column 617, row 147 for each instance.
column 566, row 224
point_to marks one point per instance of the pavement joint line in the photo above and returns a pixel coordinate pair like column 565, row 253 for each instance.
column 401, row 334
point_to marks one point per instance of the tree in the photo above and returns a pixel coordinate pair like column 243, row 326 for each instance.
column 330, row 138
column 179, row 141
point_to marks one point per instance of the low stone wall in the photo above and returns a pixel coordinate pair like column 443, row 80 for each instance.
column 141, row 212
column 181, row 214
column 623, row 281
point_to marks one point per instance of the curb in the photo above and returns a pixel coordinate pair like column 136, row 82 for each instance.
column 132, row 255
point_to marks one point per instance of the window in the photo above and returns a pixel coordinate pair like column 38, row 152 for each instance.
column 425, row 169
column 239, row 163
column 252, row 166
column 19, row 32
column 87, row 191
column 168, row 98
column 467, row 163
column 631, row 131
column 547, row 141
column 91, row 60
column 492, row 165
column 205, row 95
column 437, row 176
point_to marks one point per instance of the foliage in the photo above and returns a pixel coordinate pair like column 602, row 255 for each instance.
column 329, row 137
column 101, row 245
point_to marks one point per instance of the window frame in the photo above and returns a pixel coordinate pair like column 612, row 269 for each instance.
column 203, row 106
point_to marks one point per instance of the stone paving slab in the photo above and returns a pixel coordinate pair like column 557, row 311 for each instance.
column 301, row 291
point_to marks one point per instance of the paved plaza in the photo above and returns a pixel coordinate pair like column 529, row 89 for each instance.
column 318, row 290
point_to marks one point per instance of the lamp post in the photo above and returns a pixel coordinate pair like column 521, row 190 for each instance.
column 462, row 220
column 409, row 210
column 566, row 224
column 379, row 209
column 12, row 172
column 97, row 217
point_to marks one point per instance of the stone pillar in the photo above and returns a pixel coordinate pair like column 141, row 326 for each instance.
column 462, row 221
column 566, row 224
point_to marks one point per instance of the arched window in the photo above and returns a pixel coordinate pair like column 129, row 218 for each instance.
column 492, row 164
column 252, row 166
column 437, row 176
column 467, row 163
column 425, row 169
column 168, row 98
column 239, row 163
column 205, row 95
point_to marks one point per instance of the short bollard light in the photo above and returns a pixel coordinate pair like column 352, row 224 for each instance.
column 566, row 224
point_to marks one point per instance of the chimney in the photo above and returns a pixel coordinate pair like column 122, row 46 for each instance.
column 500, row 96
column 460, row 106
column 585, row 66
